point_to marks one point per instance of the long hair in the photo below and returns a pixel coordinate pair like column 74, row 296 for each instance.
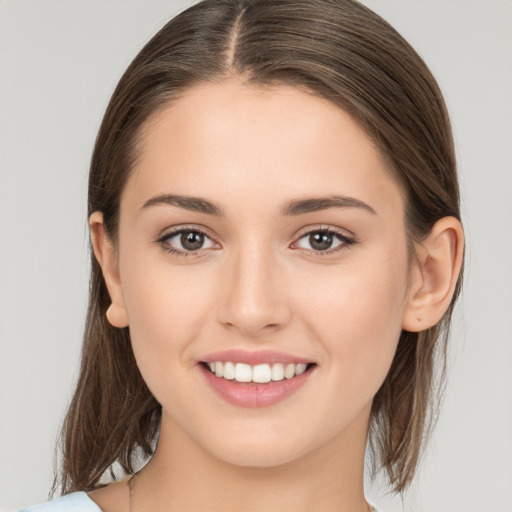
column 338, row 50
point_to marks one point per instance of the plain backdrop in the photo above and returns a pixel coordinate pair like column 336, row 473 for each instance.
column 59, row 62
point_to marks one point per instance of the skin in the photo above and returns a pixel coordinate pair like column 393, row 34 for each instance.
column 257, row 284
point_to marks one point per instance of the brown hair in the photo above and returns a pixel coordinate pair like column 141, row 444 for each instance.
column 339, row 50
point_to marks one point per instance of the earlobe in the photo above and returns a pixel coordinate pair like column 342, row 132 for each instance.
column 106, row 256
column 434, row 275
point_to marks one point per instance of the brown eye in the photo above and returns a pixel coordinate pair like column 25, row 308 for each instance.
column 192, row 240
column 320, row 241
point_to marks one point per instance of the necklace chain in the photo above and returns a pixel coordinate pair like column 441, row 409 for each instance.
column 130, row 492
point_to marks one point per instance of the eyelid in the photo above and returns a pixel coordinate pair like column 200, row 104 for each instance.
column 173, row 230
column 326, row 228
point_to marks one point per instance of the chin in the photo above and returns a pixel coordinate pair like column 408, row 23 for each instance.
column 266, row 447
column 258, row 456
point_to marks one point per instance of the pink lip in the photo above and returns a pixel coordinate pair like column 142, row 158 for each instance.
column 252, row 358
column 254, row 395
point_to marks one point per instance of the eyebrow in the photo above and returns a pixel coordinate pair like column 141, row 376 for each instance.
column 316, row 204
column 195, row 204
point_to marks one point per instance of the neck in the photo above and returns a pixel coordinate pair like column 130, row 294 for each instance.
column 183, row 476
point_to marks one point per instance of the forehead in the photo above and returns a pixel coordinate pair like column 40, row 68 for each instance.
column 277, row 142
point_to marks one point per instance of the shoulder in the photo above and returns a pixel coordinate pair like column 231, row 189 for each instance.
column 75, row 502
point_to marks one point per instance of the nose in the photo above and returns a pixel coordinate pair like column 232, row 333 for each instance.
column 254, row 299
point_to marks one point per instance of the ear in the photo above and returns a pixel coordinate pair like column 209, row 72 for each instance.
column 106, row 255
column 434, row 275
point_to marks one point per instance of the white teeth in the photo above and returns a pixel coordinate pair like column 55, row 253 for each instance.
column 289, row 371
column 243, row 372
column 229, row 371
column 301, row 368
column 260, row 373
column 277, row 371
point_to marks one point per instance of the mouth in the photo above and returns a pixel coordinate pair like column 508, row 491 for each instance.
column 255, row 385
column 256, row 374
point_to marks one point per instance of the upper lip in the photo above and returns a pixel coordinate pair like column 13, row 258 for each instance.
column 254, row 357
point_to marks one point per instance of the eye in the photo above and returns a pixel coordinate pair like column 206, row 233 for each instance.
column 323, row 240
column 186, row 241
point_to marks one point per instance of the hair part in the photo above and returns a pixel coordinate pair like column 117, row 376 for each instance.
column 338, row 50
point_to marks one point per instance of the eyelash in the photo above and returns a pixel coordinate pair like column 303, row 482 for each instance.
column 345, row 240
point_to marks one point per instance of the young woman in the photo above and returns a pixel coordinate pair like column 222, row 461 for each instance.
column 277, row 250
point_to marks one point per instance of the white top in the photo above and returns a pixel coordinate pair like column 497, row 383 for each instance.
column 76, row 502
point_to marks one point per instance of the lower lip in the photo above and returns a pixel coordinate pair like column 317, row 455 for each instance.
column 253, row 394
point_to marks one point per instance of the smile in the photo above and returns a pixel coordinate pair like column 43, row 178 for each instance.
column 259, row 373
column 255, row 379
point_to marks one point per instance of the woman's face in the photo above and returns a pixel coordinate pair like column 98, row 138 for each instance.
column 261, row 227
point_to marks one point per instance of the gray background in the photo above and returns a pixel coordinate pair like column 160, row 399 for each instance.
column 59, row 62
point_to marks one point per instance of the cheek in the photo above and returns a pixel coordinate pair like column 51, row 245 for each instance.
column 166, row 312
column 166, row 305
column 357, row 318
